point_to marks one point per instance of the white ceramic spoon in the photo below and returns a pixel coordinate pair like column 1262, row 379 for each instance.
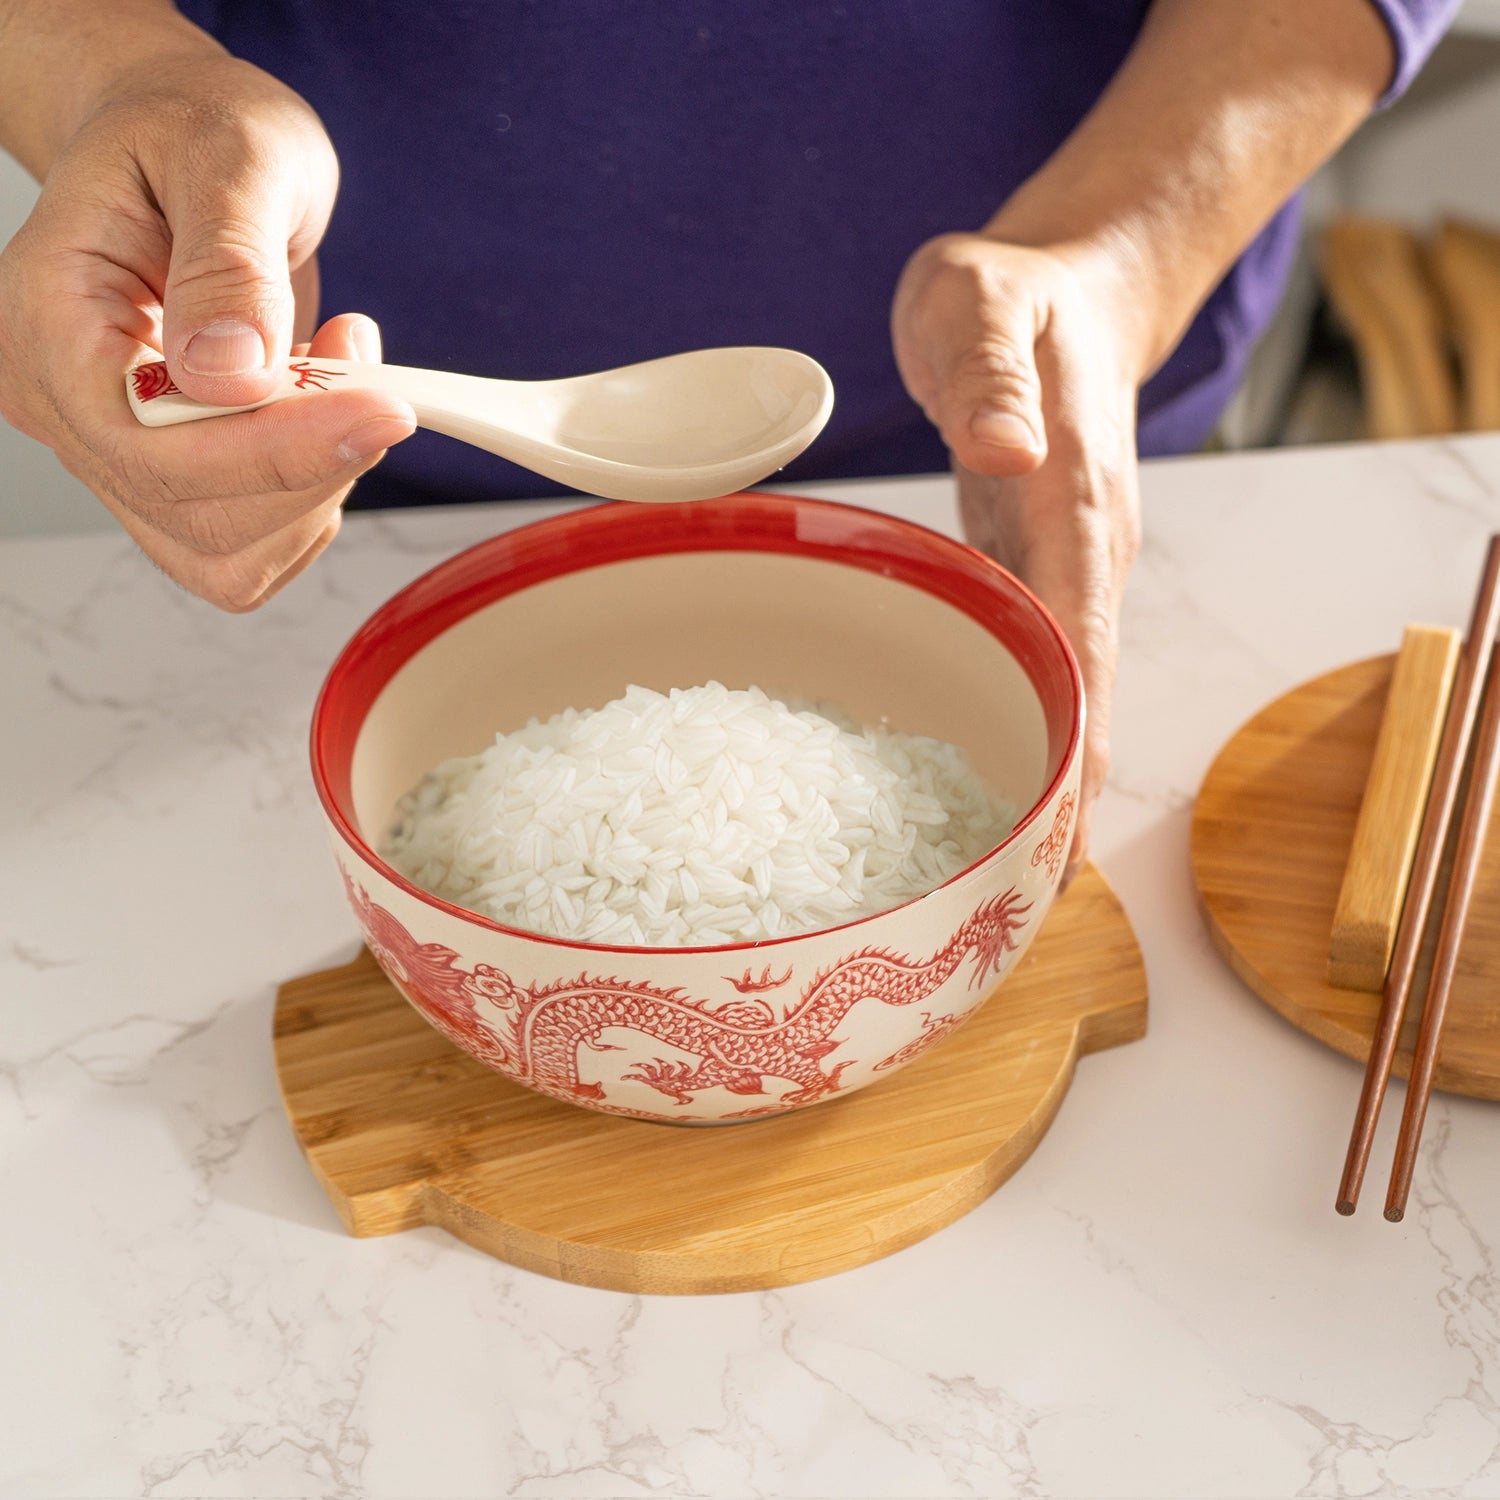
column 687, row 427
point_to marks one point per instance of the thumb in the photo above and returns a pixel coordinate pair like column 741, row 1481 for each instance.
column 989, row 408
column 228, row 307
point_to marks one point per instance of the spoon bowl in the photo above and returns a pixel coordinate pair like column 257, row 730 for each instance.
column 689, row 426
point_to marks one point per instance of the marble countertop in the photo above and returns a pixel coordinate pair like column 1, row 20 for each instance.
column 1161, row 1302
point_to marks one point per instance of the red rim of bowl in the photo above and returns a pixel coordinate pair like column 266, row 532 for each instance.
column 597, row 535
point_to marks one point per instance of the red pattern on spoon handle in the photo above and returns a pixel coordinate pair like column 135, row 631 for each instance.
column 310, row 377
column 152, row 380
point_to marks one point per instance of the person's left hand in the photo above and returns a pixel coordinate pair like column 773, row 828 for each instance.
column 1028, row 360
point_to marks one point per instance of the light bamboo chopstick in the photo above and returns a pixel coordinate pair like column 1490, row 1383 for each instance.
column 1473, row 825
column 1458, row 729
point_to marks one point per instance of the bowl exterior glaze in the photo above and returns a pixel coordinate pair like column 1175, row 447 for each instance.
column 706, row 1035
column 722, row 1034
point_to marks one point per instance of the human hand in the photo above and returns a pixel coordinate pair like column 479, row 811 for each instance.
column 1027, row 360
column 181, row 217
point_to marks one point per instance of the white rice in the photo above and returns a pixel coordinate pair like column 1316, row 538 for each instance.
column 704, row 816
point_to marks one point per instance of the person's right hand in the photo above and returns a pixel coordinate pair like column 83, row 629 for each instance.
column 1028, row 360
column 181, row 217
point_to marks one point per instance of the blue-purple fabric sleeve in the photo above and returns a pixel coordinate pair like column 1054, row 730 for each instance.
column 1416, row 26
column 535, row 188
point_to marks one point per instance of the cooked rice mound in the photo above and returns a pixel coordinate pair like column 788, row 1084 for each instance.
column 703, row 816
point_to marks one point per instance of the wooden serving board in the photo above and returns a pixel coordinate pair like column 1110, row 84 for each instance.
column 1272, row 829
column 403, row 1129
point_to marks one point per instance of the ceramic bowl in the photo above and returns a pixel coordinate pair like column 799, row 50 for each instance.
column 816, row 601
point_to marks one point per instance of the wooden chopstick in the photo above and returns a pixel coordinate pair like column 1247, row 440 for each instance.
column 1472, row 827
column 1458, row 729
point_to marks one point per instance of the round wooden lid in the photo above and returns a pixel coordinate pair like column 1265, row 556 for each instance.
column 1272, row 828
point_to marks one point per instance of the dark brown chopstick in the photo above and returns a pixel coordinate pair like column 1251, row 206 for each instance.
column 1472, row 827
column 1458, row 730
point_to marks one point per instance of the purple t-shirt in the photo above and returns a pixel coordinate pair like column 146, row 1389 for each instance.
column 538, row 188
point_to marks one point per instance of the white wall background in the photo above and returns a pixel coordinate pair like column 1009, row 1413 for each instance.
column 1435, row 153
column 36, row 493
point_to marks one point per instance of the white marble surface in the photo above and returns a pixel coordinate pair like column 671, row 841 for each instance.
column 1161, row 1303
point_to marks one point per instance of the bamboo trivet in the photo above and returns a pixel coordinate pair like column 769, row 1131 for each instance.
column 403, row 1129
column 1272, row 830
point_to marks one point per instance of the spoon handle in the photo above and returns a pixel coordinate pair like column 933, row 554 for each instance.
column 156, row 401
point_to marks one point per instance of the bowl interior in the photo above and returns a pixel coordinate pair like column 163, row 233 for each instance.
column 820, row 603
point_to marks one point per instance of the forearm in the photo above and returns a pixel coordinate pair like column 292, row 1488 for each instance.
column 59, row 59
column 1221, row 110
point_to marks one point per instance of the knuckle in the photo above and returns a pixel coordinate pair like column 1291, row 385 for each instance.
column 957, row 257
column 207, row 526
column 945, row 249
column 998, row 360
column 300, row 563
column 217, row 139
column 233, row 583
column 283, row 468
column 275, row 469
column 994, row 373
column 282, row 450
column 929, row 261
column 222, row 254
column 980, row 271
column 225, row 161
column 1098, row 624
column 288, row 470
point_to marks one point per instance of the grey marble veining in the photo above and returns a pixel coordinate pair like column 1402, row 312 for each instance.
column 1161, row 1302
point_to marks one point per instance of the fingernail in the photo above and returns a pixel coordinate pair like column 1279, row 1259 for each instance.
column 1002, row 428
column 365, row 335
column 225, row 348
column 370, row 437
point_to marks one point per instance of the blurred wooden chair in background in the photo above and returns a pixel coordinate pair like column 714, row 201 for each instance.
column 1381, row 289
column 1465, row 261
column 1424, row 318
